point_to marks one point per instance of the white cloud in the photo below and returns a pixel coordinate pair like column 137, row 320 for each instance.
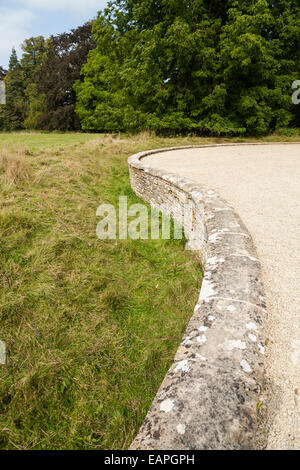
column 72, row 6
column 14, row 28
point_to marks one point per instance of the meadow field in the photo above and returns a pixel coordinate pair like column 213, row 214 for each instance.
column 91, row 326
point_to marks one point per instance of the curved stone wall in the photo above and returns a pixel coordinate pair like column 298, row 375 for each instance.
column 209, row 397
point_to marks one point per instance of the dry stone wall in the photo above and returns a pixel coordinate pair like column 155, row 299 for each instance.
column 209, row 397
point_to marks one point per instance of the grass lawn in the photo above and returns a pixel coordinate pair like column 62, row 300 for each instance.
column 91, row 326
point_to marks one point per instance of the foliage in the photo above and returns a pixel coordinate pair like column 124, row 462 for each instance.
column 13, row 114
column 210, row 67
column 21, row 101
column 66, row 54
column 40, row 91
column 34, row 53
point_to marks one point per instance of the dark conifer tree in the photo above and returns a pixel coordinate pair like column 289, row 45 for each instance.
column 15, row 107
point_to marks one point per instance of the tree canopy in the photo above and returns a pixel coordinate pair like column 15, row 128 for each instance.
column 66, row 54
column 209, row 67
column 40, row 92
column 205, row 66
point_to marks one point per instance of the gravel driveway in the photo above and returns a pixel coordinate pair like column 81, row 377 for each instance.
column 262, row 182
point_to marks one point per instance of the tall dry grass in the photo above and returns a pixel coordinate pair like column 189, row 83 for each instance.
column 14, row 167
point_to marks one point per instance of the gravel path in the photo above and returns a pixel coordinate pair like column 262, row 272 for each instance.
column 262, row 182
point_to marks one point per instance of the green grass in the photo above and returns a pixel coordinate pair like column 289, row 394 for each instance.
column 91, row 326
column 38, row 140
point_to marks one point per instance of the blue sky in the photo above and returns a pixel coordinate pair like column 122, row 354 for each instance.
column 21, row 19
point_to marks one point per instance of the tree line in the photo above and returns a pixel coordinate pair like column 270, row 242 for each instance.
column 209, row 67
column 39, row 86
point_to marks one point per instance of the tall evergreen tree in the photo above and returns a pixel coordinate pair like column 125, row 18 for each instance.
column 34, row 55
column 34, row 52
column 15, row 95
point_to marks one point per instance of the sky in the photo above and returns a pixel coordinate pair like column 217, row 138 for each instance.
column 22, row 19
